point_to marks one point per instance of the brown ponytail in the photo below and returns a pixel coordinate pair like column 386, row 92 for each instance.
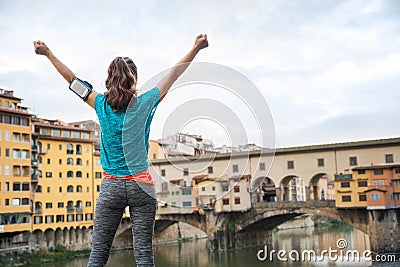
column 122, row 76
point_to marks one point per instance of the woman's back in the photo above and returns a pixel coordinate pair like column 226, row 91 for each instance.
column 125, row 134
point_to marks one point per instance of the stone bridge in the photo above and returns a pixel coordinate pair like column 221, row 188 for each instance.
column 248, row 228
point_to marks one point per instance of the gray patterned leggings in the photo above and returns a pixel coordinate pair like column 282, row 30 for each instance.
column 114, row 196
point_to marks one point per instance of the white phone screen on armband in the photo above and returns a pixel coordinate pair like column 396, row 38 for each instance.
column 78, row 88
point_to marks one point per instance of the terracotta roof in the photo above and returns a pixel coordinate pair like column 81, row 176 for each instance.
column 375, row 167
column 176, row 180
column 200, row 176
column 15, row 111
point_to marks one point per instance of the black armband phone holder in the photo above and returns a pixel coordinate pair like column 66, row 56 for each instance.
column 81, row 88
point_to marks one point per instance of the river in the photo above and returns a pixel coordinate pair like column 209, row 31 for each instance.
column 195, row 254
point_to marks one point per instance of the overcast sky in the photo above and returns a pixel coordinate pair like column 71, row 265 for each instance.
column 329, row 70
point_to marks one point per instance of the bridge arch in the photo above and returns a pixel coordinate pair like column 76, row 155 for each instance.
column 266, row 190
column 321, row 187
column 273, row 216
column 291, row 189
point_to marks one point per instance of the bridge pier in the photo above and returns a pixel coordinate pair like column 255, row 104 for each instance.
column 384, row 234
column 308, row 194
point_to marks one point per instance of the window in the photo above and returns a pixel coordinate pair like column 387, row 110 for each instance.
column 374, row 183
column 186, row 191
column 391, row 197
column 49, row 174
column 98, row 175
column 49, row 205
column 48, row 161
column 88, row 217
column 210, row 169
column 163, row 173
column 76, row 135
column 185, row 172
column 59, row 147
column 39, row 189
column 213, row 188
column 237, row 200
column 60, row 189
column 48, row 189
column 15, row 154
column 345, row 184
column 59, row 218
column 375, row 197
column 70, row 161
column 262, row 166
column 389, row 158
column 85, row 136
column 381, row 182
column 78, row 149
column 225, row 201
column 397, row 182
column 186, row 203
column 7, row 119
column 7, row 202
column 25, row 201
column 56, row 133
column 16, row 120
column 290, row 164
column 353, row 161
column 7, row 136
column 320, row 162
column 397, row 170
column 38, row 219
column 7, row 169
column 70, row 174
column 79, row 189
column 378, row 172
column 361, row 171
column 346, row 198
column 79, row 162
column 60, row 205
column 203, row 188
column 7, row 152
column 225, row 187
column 25, row 187
column 17, row 186
column 45, row 131
column 70, row 189
column 88, row 204
column 65, row 133
column 78, row 174
column 98, row 188
column 24, row 122
column 236, row 189
column 70, row 149
column 16, row 202
column 70, row 218
column 362, row 183
column 235, row 168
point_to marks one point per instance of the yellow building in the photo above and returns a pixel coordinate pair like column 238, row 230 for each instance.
column 15, row 165
column 64, row 196
column 350, row 190
column 156, row 150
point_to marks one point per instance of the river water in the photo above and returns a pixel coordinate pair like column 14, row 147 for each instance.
column 195, row 254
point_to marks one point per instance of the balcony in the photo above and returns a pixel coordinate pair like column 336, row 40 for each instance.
column 343, row 177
